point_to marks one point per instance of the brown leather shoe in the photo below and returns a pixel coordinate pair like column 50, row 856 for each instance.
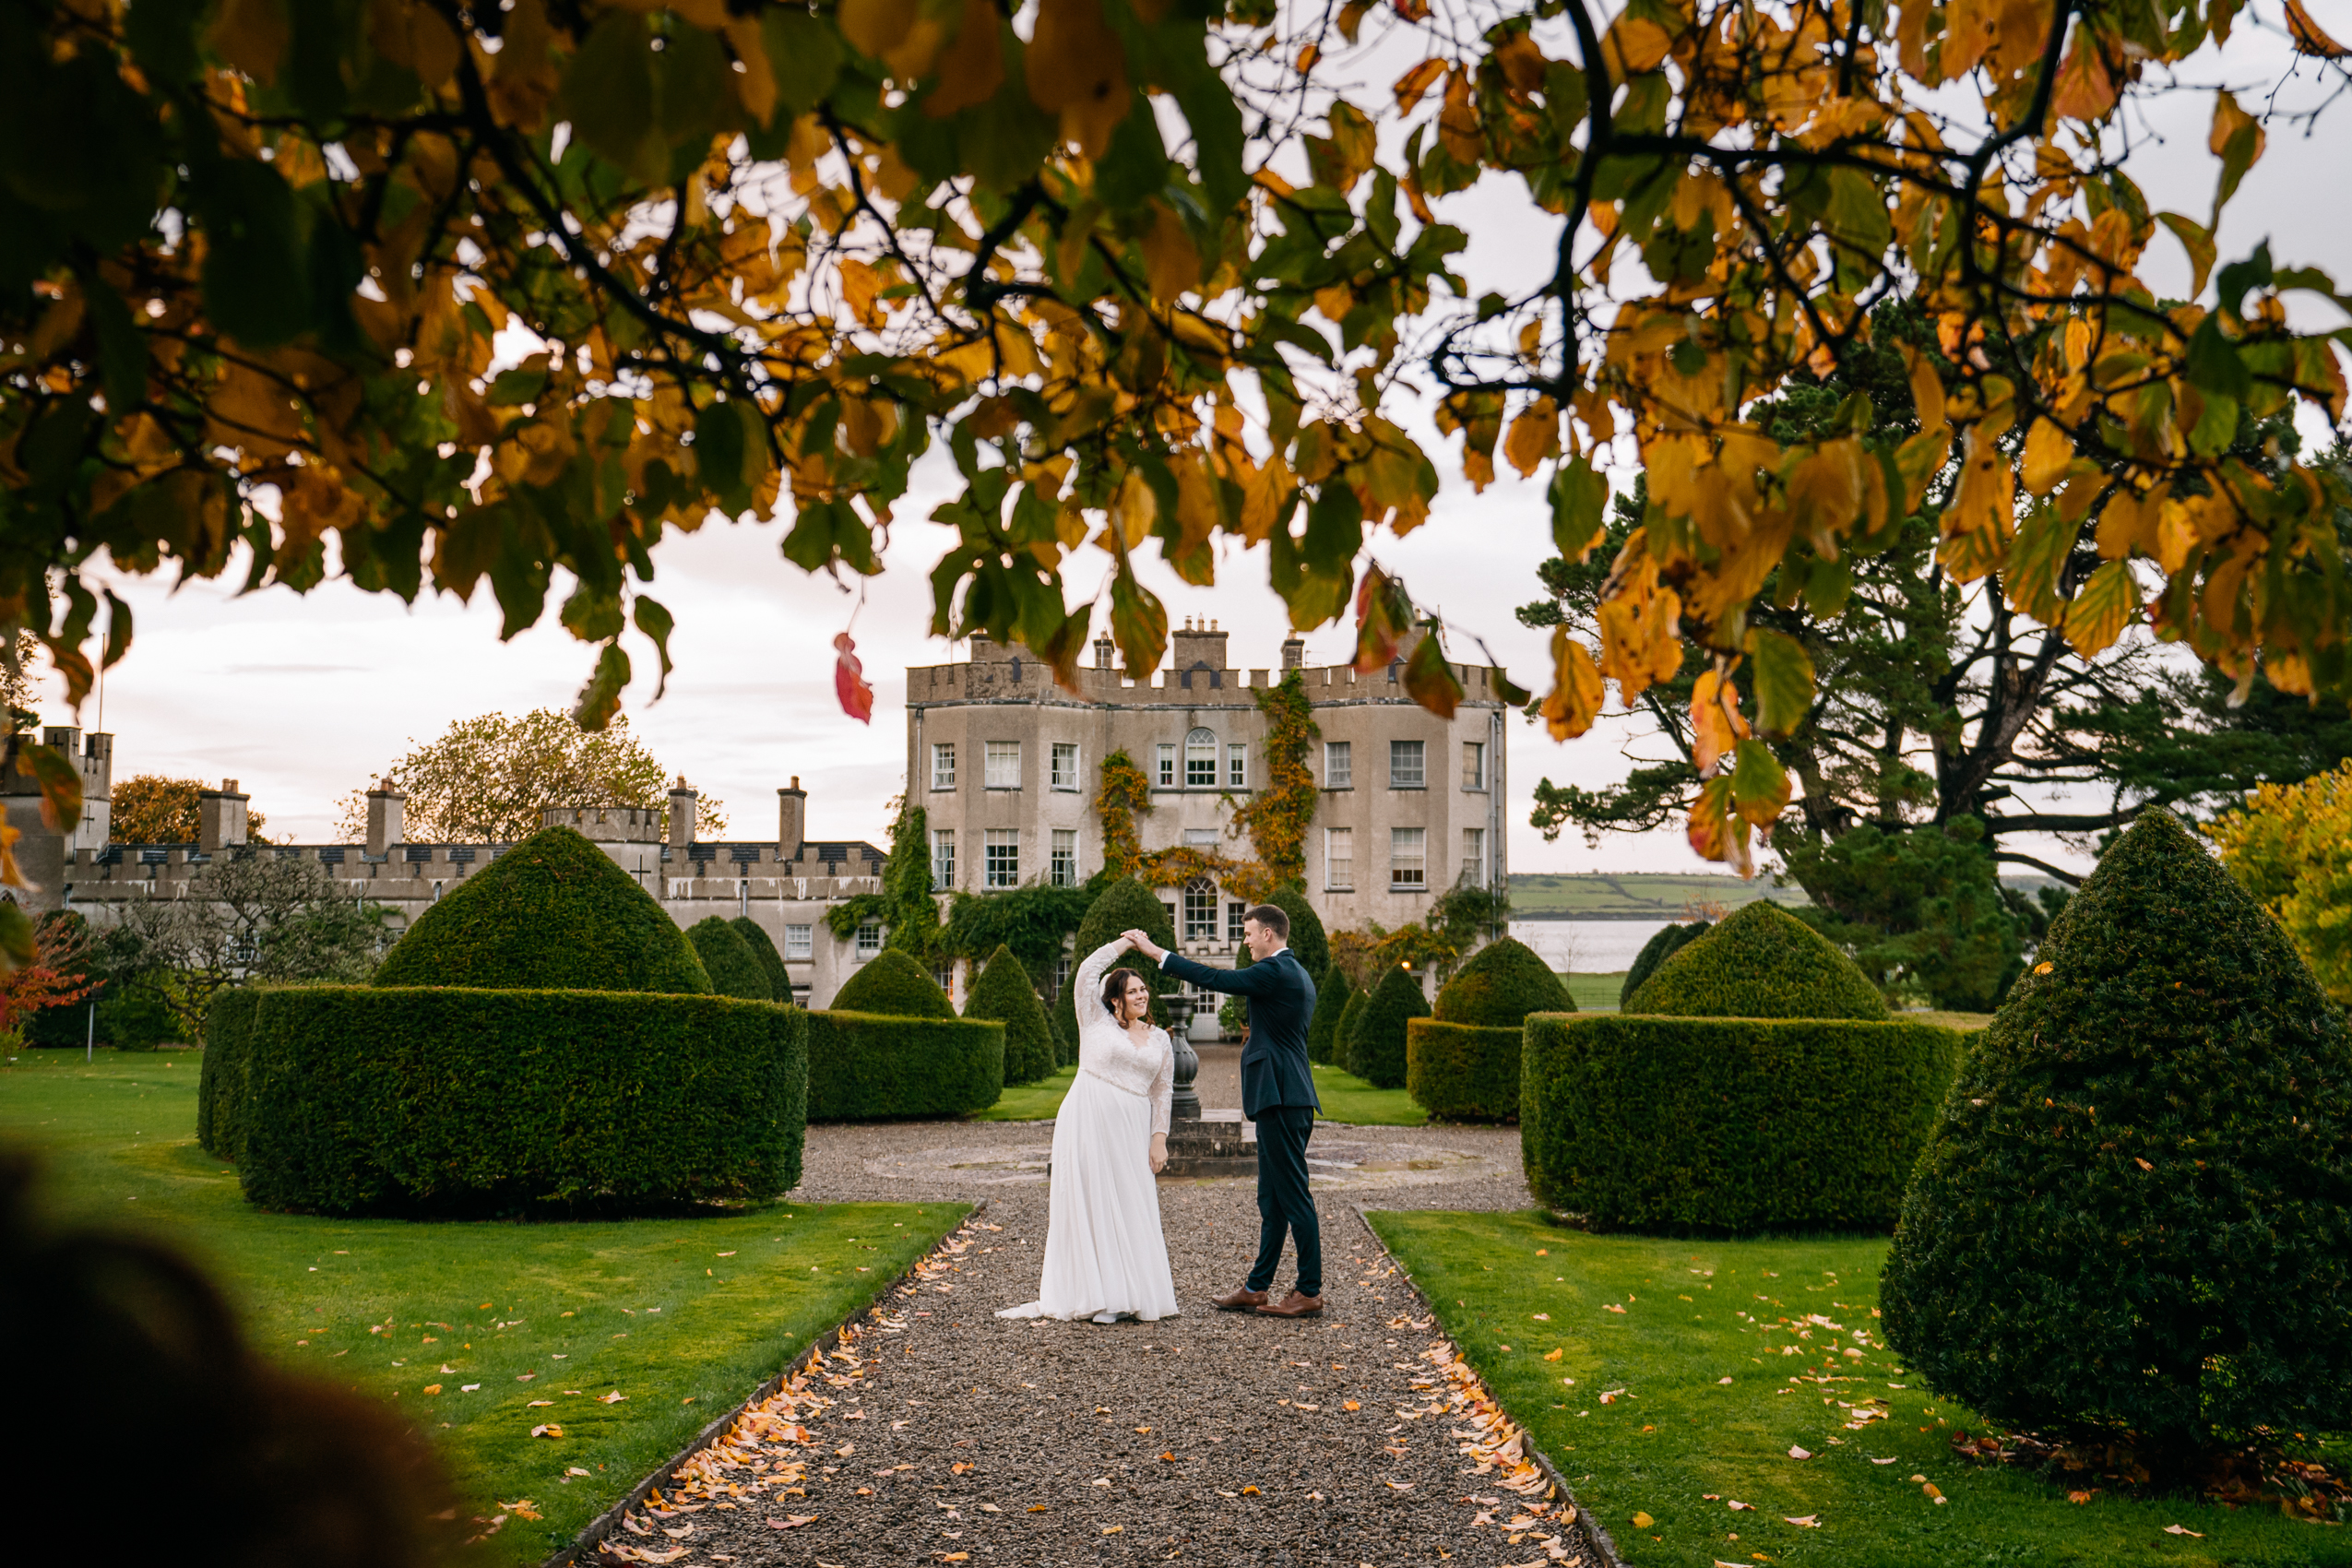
column 1243, row 1301
column 1293, row 1305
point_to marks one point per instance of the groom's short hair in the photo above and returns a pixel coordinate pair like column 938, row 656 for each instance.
column 1271, row 917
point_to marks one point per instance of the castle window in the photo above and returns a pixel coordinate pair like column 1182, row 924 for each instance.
column 1003, row 867
column 1474, row 857
column 1234, row 911
column 869, row 939
column 1065, row 764
column 1200, row 760
column 1338, row 765
column 1004, row 764
column 942, row 857
column 1408, row 765
column 1339, row 859
column 943, row 766
column 1474, row 765
column 1200, row 911
column 1408, row 857
column 1237, row 766
column 1167, row 774
column 1063, row 869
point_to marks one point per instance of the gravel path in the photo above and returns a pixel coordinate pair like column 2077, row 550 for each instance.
column 1218, row 1438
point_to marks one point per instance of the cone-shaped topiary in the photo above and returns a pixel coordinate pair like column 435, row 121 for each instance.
column 1125, row 905
column 2136, row 1212
column 1500, row 986
column 1376, row 1049
column 1666, row 943
column 1308, row 943
column 1334, row 990
column 1343, row 1033
column 733, row 967
column 763, row 947
column 1003, row 993
column 1762, row 962
column 552, row 913
column 893, row 983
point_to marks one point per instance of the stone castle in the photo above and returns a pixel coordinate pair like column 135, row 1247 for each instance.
column 1006, row 765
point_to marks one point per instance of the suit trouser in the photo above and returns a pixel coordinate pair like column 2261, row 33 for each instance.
column 1284, row 1202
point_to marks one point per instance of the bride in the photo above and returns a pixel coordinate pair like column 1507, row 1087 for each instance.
column 1104, row 1256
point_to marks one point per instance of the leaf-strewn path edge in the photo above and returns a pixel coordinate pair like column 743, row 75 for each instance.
column 585, row 1547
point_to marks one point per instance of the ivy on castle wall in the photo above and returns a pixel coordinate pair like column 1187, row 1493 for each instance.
column 1124, row 795
column 904, row 905
column 1277, row 816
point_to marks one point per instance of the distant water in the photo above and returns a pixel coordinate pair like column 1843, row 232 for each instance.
column 1593, row 947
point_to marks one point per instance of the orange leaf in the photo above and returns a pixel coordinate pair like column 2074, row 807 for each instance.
column 848, row 680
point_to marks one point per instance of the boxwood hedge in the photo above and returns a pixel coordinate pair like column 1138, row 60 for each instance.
column 866, row 1066
column 1762, row 962
column 1729, row 1125
column 552, row 913
column 221, row 1084
column 1376, row 1039
column 735, row 969
column 1667, row 942
column 892, row 982
column 1002, row 991
column 1462, row 1063
column 1334, row 990
column 432, row 1100
column 763, row 947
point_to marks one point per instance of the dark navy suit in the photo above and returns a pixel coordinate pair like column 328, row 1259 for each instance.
column 1278, row 1093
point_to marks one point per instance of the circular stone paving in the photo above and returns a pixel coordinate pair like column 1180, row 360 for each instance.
column 1332, row 1164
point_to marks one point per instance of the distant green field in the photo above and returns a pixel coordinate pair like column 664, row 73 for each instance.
column 1662, row 895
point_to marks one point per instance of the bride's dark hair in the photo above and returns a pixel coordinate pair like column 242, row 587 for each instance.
column 1114, row 990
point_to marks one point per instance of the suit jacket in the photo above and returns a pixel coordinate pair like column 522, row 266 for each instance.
column 1275, row 1070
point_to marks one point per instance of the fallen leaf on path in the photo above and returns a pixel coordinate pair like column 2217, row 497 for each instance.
column 680, row 1533
column 1399, row 1485
column 433, row 1388
column 467, row 1387
column 539, row 1404
column 1114, row 1530
column 549, row 1429
column 1643, row 1521
column 2178, row 1530
column 1928, row 1489
column 613, row 1398
column 2078, row 1497
column 573, row 1471
column 1040, row 1507
column 1739, row 1507
column 1799, row 1454
column 1100, row 1480
column 1803, row 1521
column 1612, row 1307
column 959, row 1467
column 1351, row 1404
column 793, row 1521
column 1613, row 1396
column 1881, row 1461
column 1307, row 1407
column 1555, row 1355
column 1253, row 1492
column 1169, row 1457
column 1543, row 1317
column 1722, row 1380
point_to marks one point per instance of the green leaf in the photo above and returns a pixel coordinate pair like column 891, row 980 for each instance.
column 1509, row 691
column 593, row 615
column 1759, row 784
column 2197, row 240
column 1138, row 620
column 1430, row 679
column 805, row 55
column 60, row 781
column 18, row 947
column 2214, row 366
column 608, row 95
column 720, row 451
column 255, row 286
column 122, row 347
column 1579, row 499
column 1783, row 679
column 600, row 698
column 654, row 620
column 1334, row 531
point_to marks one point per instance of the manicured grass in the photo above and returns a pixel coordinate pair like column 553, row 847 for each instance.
column 1600, row 894
column 1038, row 1101
column 636, row 1308
column 1678, row 1435
column 1951, row 1020
column 1596, row 994
column 1346, row 1098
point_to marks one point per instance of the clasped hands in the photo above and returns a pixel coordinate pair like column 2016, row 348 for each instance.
column 1143, row 945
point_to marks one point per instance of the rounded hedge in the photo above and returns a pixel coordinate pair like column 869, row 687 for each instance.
column 1729, row 1126
column 1665, row 942
column 763, row 947
column 1308, row 943
column 1463, row 1072
column 2136, row 1212
column 423, row 1101
column 1343, row 1032
column 552, row 913
column 733, row 967
column 1376, row 1044
column 867, row 1066
column 891, row 983
column 1762, row 962
column 1003, row 993
column 1503, row 982
column 1334, row 990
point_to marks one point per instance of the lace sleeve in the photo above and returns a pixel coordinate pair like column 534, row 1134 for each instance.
column 1163, row 1083
column 1086, row 999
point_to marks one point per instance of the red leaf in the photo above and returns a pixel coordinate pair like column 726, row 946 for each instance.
column 850, row 682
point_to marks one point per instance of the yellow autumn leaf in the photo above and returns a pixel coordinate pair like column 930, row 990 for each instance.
column 2047, row 451
column 1171, row 262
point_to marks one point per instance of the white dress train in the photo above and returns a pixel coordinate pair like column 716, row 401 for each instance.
column 1104, row 1252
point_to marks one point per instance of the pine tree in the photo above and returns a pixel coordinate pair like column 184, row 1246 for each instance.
column 2137, row 1214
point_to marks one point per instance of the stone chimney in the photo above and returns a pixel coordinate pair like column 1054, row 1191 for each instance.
column 1294, row 652
column 220, row 818
column 384, row 804
column 1197, row 647
column 792, row 821
column 682, row 797
column 1105, row 653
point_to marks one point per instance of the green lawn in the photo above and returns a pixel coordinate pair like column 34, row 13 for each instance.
column 1596, row 994
column 1600, row 894
column 1712, row 1406
column 563, row 1312
column 1030, row 1102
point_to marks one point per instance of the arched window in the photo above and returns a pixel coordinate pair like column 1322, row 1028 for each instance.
column 1200, row 760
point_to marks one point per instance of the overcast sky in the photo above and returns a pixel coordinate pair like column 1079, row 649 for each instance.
column 306, row 698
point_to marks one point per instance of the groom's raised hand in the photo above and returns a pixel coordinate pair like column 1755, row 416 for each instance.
column 1143, row 945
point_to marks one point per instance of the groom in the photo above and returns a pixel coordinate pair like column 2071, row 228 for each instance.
column 1277, row 1093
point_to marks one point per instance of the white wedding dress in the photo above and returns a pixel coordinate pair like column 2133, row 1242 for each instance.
column 1104, row 1252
